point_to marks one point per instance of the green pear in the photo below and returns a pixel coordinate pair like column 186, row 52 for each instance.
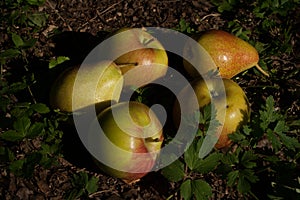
column 97, row 83
column 231, row 54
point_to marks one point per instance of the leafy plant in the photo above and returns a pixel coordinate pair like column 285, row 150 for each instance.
column 83, row 186
column 243, row 165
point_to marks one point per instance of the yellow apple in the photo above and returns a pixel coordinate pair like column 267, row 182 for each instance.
column 97, row 83
column 231, row 104
column 135, row 138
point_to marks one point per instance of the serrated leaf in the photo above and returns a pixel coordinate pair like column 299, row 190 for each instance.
column 12, row 136
column 209, row 163
column 92, row 185
column 276, row 144
column 31, row 161
column 232, row 177
column 249, row 174
column 10, row 53
column 174, row 171
column 290, row 142
column 236, row 137
column 248, row 159
column 21, row 125
column 191, row 154
column 186, row 190
column 40, row 108
column 281, row 127
column 201, row 189
column 16, row 166
column 6, row 155
column 35, row 130
column 230, row 159
column 268, row 113
column 243, row 186
column 38, row 19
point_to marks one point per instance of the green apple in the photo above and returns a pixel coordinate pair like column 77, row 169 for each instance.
column 136, row 137
column 232, row 106
column 145, row 58
column 101, row 82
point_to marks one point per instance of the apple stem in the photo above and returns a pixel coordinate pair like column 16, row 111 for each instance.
column 261, row 70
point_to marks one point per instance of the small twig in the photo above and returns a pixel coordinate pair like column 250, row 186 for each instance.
column 103, row 191
column 109, row 7
column 210, row 15
column 59, row 16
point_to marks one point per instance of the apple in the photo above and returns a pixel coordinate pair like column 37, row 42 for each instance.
column 98, row 82
column 145, row 57
column 231, row 104
column 135, row 135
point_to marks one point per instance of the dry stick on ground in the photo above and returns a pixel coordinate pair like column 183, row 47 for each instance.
column 59, row 16
column 99, row 14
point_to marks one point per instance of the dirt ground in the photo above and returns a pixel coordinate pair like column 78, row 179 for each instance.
column 83, row 24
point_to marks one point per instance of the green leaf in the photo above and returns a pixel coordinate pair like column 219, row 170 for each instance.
column 35, row 130
column 248, row 159
column 268, row 113
column 40, row 108
column 38, row 19
column 236, row 137
column 232, row 177
column 12, row 136
column 191, row 154
column 92, row 185
column 9, row 53
column 276, row 144
column 290, row 142
column 186, row 190
column 243, row 185
column 6, row 155
column 21, row 125
column 17, row 40
column 249, row 174
column 16, row 167
column 29, row 43
column 209, row 163
column 174, row 171
column 59, row 60
column 36, row 2
column 201, row 189
column 32, row 160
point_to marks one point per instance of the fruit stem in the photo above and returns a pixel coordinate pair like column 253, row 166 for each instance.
column 261, row 70
column 127, row 64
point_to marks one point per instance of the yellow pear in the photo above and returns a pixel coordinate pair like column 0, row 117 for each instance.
column 231, row 54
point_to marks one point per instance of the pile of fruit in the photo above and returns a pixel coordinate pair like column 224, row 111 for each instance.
column 132, row 128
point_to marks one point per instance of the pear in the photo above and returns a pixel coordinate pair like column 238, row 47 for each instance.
column 231, row 54
column 97, row 85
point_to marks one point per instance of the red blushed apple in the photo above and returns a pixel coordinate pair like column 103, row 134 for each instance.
column 135, row 140
column 147, row 56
